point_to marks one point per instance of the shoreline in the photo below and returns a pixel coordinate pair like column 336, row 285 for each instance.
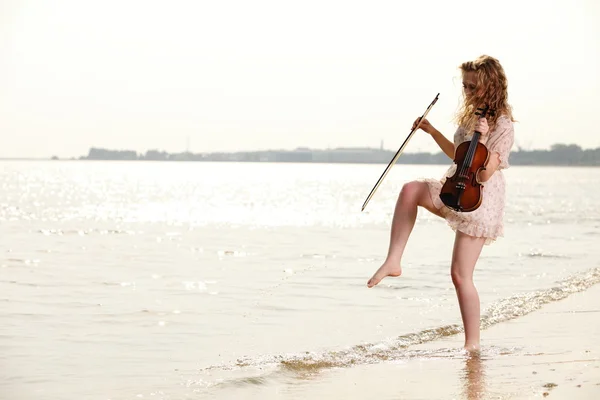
column 555, row 352
column 551, row 353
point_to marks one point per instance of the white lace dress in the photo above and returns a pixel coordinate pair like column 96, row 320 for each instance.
column 487, row 220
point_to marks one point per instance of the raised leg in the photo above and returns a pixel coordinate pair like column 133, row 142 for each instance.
column 464, row 257
column 412, row 195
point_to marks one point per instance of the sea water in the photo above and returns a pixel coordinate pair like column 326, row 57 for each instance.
column 126, row 280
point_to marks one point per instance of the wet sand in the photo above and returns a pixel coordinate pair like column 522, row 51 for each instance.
column 551, row 353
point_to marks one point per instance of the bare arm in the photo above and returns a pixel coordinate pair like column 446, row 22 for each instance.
column 446, row 145
column 499, row 143
column 490, row 167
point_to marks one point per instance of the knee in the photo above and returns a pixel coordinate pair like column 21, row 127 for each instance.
column 459, row 279
column 410, row 191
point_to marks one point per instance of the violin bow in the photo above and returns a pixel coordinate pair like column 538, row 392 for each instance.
column 399, row 152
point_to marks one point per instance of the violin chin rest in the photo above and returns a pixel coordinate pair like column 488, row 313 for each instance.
column 450, row 201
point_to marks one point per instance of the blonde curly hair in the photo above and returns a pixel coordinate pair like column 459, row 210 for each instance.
column 491, row 89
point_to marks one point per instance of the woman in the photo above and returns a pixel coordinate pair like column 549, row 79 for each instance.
column 484, row 83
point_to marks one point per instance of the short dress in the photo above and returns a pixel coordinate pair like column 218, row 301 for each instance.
column 487, row 220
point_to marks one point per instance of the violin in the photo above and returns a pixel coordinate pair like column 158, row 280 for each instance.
column 461, row 192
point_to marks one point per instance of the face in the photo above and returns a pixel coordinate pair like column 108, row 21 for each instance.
column 469, row 83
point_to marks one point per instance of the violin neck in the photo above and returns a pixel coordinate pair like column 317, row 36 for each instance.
column 471, row 152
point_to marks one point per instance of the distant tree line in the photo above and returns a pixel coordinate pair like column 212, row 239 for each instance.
column 559, row 154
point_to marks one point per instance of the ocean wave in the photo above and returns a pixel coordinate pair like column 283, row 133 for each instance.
column 397, row 348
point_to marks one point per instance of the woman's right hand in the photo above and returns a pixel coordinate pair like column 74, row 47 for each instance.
column 425, row 125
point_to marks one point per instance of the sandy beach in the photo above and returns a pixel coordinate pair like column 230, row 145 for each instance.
column 550, row 353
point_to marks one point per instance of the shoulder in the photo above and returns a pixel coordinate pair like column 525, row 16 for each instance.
column 503, row 123
column 504, row 120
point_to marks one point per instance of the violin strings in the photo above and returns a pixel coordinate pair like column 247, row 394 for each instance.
column 470, row 155
column 467, row 162
column 468, row 159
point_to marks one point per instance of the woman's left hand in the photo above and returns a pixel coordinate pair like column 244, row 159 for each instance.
column 482, row 126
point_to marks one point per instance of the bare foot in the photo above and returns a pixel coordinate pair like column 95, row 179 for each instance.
column 387, row 269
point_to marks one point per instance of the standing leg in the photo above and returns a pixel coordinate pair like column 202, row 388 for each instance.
column 413, row 194
column 464, row 257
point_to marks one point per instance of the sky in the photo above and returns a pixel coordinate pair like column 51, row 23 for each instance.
column 253, row 75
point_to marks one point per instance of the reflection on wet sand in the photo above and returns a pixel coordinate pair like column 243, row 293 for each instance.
column 473, row 377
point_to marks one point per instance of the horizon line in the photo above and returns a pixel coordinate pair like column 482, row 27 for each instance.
column 516, row 148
